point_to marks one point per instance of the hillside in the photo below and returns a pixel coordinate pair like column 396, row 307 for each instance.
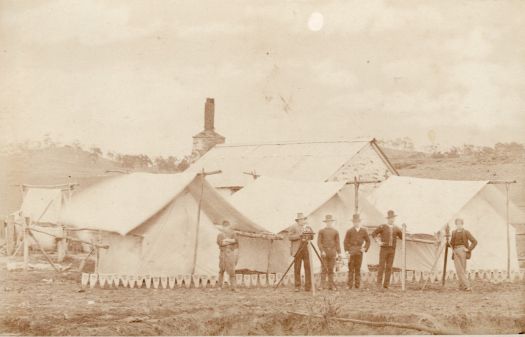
column 53, row 165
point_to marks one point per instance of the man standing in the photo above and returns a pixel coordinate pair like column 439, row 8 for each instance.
column 462, row 243
column 388, row 234
column 228, row 245
column 299, row 234
column 328, row 243
column 353, row 243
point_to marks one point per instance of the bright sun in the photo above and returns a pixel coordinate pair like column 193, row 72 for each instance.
column 315, row 22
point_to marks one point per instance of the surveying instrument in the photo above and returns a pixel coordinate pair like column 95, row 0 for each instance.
column 306, row 242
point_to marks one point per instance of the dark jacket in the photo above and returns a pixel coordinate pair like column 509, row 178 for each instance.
column 294, row 235
column 386, row 234
column 328, row 241
column 463, row 238
column 354, row 240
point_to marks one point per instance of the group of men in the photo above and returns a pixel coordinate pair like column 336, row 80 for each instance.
column 355, row 244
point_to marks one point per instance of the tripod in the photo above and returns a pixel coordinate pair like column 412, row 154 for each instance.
column 304, row 245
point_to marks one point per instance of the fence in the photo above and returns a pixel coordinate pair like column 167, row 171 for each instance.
column 270, row 280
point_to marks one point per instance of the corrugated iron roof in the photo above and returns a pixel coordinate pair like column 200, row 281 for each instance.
column 301, row 161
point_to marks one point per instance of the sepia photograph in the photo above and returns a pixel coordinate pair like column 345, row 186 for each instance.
column 272, row 168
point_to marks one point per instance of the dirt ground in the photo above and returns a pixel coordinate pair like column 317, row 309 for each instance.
column 48, row 303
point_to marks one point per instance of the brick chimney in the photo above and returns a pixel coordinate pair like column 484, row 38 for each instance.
column 209, row 114
column 208, row 138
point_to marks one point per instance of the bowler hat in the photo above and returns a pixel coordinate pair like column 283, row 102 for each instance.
column 356, row 218
column 300, row 216
column 391, row 214
column 328, row 218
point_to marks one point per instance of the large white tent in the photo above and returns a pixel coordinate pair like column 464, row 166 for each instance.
column 428, row 205
column 274, row 203
column 152, row 226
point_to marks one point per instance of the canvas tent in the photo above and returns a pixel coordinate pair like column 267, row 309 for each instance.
column 43, row 205
column 274, row 203
column 427, row 205
column 150, row 222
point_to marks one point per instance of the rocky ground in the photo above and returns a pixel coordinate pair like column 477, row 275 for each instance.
column 48, row 303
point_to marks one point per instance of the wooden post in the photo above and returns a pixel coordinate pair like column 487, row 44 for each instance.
column 27, row 223
column 311, row 268
column 97, row 251
column 62, row 246
column 42, row 250
column 3, row 229
column 196, row 243
column 447, row 235
column 356, row 196
column 404, row 269
column 10, row 236
column 507, row 186
column 269, row 257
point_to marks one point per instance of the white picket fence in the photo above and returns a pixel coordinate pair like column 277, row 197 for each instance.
column 263, row 280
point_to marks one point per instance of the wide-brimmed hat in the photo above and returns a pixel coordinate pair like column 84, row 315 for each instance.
column 300, row 216
column 328, row 218
column 356, row 218
column 391, row 214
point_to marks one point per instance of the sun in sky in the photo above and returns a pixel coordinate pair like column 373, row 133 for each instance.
column 315, row 21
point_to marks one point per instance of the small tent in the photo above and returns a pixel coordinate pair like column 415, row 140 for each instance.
column 274, row 203
column 426, row 206
column 152, row 225
column 43, row 205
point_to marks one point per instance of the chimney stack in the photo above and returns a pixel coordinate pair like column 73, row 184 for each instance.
column 209, row 114
column 207, row 138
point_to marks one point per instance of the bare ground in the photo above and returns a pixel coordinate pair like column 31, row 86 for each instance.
column 31, row 304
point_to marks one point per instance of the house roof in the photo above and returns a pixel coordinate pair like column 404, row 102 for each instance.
column 123, row 203
column 426, row 205
column 302, row 161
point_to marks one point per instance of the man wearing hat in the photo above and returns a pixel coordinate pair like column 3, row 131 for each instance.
column 228, row 245
column 388, row 234
column 330, row 248
column 298, row 235
column 353, row 243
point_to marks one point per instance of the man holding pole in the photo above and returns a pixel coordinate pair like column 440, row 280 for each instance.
column 299, row 234
column 462, row 244
column 228, row 245
column 388, row 234
column 354, row 239
column 328, row 243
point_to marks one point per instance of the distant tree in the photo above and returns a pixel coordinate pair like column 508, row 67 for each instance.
column 48, row 141
column 77, row 145
column 453, row 152
column 467, row 149
column 512, row 149
column 184, row 164
column 487, row 151
column 96, row 151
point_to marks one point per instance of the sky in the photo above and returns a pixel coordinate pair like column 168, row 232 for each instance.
column 133, row 76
